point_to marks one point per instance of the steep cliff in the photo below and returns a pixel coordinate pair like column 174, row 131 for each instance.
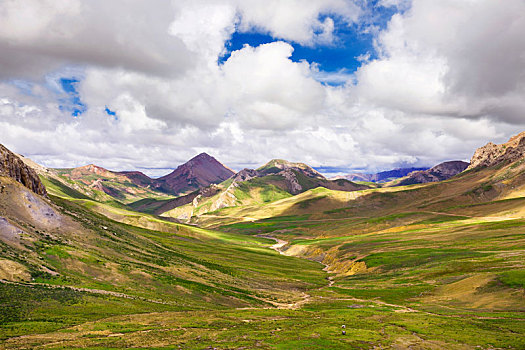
column 12, row 166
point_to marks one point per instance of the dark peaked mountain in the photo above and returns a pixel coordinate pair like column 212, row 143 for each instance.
column 200, row 171
column 12, row 166
column 138, row 178
column 440, row 172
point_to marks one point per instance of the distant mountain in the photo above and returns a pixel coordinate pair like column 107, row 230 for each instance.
column 200, row 171
column 273, row 181
column 492, row 154
column 440, row 172
column 12, row 166
column 299, row 177
column 382, row 176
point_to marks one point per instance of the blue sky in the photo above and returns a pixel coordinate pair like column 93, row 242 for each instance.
column 351, row 43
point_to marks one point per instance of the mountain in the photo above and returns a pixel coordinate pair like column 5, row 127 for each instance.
column 296, row 178
column 276, row 180
column 12, row 166
column 492, row 154
column 275, row 166
column 382, row 176
column 200, row 171
column 440, row 172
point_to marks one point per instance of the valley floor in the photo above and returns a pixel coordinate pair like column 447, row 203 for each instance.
column 314, row 322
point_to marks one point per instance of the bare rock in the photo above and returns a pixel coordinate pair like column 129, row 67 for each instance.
column 492, row 154
column 12, row 166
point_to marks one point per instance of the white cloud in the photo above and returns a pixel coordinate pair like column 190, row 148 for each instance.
column 296, row 20
column 38, row 36
column 451, row 57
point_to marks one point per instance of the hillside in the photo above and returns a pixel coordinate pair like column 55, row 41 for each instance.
column 99, row 184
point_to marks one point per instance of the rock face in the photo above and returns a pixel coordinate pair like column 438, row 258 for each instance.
column 12, row 166
column 200, row 171
column 492, row 154
column 440, row 172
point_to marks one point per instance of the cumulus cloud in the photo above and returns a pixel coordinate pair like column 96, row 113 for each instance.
column 447, row 77
column 37, row 36
column 296, row 20
column 451, row 58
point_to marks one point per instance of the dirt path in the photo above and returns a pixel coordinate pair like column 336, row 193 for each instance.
column 279, row 244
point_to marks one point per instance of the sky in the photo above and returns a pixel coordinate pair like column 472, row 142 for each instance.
column 342, row 85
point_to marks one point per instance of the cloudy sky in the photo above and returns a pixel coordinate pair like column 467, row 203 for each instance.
column 343, row 85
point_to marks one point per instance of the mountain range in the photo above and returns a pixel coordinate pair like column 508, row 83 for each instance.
column 383, row 176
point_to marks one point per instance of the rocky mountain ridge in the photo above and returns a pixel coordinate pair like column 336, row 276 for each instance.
column 12, row 166
column 492, row 154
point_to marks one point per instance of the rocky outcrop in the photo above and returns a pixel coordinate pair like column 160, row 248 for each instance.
column 245, row 175
column 440, row 172
column 492, row 154
column 12, row 166
column 291, row 180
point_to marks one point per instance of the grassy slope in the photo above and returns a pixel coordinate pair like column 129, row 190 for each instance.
column 182, row 268
column 448, row 249
column 121, row 189
column 257, row 192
